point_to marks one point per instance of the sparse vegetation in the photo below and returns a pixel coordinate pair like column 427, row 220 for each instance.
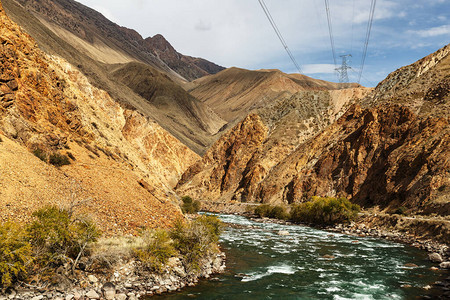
column 53, row 239
column 190, row 206
column 325, row 211
column 57, row 236
column 70, row 155
column 15, row 254
column 58, row 160
column 157, row 249
column 274, row 212
column 39, row 153
column 195, row 239
column 401, row 211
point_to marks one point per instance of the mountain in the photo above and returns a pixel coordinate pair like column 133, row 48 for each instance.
column 246, row 154
column 96, row 46
column 108, row 42
column 122, row 165
column 189, row 67
column 389, row 149
column 234, row 92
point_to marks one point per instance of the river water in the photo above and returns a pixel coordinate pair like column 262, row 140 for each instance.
column 311, row 264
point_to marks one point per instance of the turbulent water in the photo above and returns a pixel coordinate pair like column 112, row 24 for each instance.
column 311, row 264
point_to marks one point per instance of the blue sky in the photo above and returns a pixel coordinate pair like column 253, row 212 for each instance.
column 237, row 33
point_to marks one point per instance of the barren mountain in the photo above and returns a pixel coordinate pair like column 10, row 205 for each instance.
column 90, row 42
column 122, row 165
column 245, row 155
column 189, row 67
column 394, row 152
column 108, row 42
column 234, row 92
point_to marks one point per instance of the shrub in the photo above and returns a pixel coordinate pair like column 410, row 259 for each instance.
column 401, row 211
column 39, row 153
column 15, row 254
column 278, row 212
column 58, row 160
column 263, row 210
column 196, row 239
column 157, row 249
column 325, row 211
column 1, row 140
column 55, row 236
column 189, row 206
column 274, row 212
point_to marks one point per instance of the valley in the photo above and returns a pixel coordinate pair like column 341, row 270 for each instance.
column 116, row 134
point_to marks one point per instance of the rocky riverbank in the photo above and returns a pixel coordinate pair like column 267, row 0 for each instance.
column 125, row 281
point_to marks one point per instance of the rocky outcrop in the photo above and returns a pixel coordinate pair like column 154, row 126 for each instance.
column 220, row 170
column 239, row 161
column 123, row 165
column 422, row 86
column 384, row 156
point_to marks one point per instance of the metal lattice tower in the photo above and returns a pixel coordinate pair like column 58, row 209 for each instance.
column 342, row 70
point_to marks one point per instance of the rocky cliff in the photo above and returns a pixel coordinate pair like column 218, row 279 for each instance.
column 392, row 151
column 241, row 159
column 122, row 165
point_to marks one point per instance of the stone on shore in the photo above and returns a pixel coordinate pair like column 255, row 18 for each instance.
column 435, row 257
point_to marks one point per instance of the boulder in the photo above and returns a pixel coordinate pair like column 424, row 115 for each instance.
column 445, row 265
column 109, row 291
column 283, row 232
column 435, row 257
column 92, row 295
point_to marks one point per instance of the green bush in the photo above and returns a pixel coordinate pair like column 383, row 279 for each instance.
column 274, row 212
column 15, row 254
column 189, row 206
column 401, row 211
column 196, row 239
column 39, row 153
column 58, row 160
column 325, row 211
column 157, row 249
column 56, row 236
column 263, row 210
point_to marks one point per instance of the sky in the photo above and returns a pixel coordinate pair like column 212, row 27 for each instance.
column 237, row 32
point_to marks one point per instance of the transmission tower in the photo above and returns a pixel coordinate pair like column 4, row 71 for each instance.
column 342, row 70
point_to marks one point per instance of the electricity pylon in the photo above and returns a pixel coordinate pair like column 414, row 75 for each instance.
column 342, row 70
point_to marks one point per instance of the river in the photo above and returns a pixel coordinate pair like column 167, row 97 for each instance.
column 311, row 264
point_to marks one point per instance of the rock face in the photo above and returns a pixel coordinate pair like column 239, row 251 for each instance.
column 388, row 152
column 240, row 160
column 123, row 165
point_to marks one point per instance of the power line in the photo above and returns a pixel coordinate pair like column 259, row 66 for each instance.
column 330, row 30
column 366, row 43
column 280, row 36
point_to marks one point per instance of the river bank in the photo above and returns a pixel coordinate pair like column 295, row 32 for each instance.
column 124, row 281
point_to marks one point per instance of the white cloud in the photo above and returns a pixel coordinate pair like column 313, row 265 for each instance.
column 434, row 31
column 318, row 68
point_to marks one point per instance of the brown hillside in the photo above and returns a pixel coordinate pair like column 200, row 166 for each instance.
column 88, row 30
column 234, row 92
column 189, row 67
column 122, row 164
column 233, row 167
column 180, row 123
